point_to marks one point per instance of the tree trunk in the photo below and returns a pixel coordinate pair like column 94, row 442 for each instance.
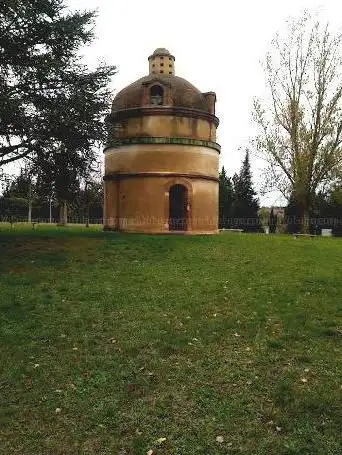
column 29, row 218
column 88, row 210
column 50, row 210
column 305, row 228
column 63, row 213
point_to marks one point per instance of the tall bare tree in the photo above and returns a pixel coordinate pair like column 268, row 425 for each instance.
column 300, row 123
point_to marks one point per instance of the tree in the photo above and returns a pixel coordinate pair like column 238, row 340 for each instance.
column 293, row 216
column 20, row 195
column 327, row 207
column 48, row 99
column 273, row 221
column 45, row 186
column 60, row 171
column 245, row 205
column 90, row 201
column 225, row 199
column 53, row 106
column 264, row 217
column 301, row 125
column 5, row 180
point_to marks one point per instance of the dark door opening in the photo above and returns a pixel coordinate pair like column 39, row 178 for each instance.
column 178, row 208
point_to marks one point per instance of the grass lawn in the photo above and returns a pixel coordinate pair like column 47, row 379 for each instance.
column 228, row 344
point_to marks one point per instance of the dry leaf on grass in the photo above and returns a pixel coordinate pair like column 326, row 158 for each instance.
column 160, row 440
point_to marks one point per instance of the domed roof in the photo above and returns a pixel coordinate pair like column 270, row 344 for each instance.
column 161, row 51
column 183, row 93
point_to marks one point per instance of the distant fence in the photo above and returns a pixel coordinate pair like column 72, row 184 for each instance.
column 71, row 220
column 290, row 220
column 285, row 224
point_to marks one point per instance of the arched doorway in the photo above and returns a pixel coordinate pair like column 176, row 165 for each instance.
column 178, row 208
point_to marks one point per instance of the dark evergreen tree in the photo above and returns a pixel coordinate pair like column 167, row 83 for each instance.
column 335, row 200
column 63, row 169
column 24, row 196
column 90, row 199
column 48, row 99
column 18, row 197
column 245, row 205
column 19, row 186
column 293, row 216
column 225, row 199
column 325, row 213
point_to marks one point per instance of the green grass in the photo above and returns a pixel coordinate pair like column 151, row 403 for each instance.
column 136, row 338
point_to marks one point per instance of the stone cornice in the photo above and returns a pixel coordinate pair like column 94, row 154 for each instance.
column 162, row 110
column 163, row 140
column 127, row 175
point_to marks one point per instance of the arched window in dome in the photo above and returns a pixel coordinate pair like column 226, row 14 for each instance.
column 157, row 95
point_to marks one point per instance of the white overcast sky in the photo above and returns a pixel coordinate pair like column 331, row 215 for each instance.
column 218, row 45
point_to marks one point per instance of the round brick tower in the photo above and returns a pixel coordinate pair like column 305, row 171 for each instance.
column 161, row 160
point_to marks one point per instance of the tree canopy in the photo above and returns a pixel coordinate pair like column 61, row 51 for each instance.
column 238, row 206
column 48, row 98
column 300, row 124
column 245, row 203
column 226, row 194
